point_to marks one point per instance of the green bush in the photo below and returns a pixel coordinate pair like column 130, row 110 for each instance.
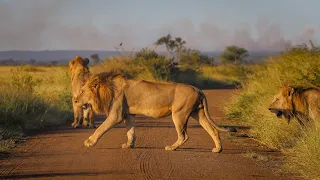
column 146, row 54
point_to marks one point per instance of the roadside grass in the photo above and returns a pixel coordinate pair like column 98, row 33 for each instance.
column 254, row 155
column 299, row 66
column 304, row 157
column 32, row 100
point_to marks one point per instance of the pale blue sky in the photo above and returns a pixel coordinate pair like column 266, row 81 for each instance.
column 204, row 24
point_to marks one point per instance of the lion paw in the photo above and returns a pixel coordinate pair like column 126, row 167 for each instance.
column 73, row 124
column 85, row 123
column 91, row 126
column 170, row 148
column 217, row 150
column 126, row 146
column 89, row 143
column 76, row 125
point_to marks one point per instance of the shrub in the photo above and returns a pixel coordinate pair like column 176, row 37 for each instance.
column 146, row 54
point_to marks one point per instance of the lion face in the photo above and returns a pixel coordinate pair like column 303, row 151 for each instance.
column 282, row 103
column 78, row 64
column 86, row 96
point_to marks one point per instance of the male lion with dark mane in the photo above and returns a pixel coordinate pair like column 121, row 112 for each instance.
column 302, row 103
column 79, row 74
column 121, row 98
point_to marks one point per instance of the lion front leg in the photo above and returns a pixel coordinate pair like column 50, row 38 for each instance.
column 77, row 115
column 130, row 122
column 180, row 120
column 88, row 118
column 108, row 124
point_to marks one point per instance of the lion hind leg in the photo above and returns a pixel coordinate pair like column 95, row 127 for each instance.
column 180, row 121
column 213, row 132
column 130, row 123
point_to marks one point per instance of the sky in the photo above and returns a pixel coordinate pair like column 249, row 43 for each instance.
column 206, row 25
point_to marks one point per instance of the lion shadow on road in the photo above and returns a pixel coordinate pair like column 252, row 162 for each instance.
column 57, row 174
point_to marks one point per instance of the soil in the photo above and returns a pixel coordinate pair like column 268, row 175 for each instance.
column 59, row 153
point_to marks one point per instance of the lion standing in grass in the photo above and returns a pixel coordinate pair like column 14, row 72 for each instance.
column 302, row 103
column 79, row 74
column 121, row 98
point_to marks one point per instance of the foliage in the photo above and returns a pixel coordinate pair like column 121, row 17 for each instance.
column 146, row 53
column 234, row 55
column 193, row 58
column 95, row 57
column 175, row 45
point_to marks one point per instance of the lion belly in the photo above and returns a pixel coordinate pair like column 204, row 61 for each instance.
column 151, row 112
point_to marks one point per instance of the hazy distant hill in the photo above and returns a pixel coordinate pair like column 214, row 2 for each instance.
column 65, row 55
column 52, row 55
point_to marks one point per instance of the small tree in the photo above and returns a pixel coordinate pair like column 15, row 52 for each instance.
column 193, row 57
column 234, row 54
column 95, row 57
column 146, row 53
column 167, row 41
column 172, row 45
column 179, row 43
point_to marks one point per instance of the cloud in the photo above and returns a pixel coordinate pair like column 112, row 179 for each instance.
column 38, row 25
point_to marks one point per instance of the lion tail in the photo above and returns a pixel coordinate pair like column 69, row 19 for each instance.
column 206, row 112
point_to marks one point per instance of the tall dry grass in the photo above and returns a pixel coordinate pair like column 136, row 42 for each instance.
column 299, row 66
column 32, row 97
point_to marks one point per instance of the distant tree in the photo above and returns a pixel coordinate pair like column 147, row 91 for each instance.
column 95, row 57
column 175, row 45
column 190, row 57
column 32, row 61
column 53, row 63
column 179, row 43
column 167, row 41
column 147, row 53
column 234, row 54
column 194, row 57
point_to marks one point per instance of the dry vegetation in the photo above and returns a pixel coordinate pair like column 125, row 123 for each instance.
column 298, row 66
column 32, row 97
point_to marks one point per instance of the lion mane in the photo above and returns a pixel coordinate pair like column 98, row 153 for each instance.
column 301, row 103
column 104, row 95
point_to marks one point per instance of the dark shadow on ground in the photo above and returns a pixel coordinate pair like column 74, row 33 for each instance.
column 194, row 78
column 39, row 175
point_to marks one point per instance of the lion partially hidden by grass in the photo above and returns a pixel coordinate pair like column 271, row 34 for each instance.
column 301, row 103
column 79, row 74
column 121, row 99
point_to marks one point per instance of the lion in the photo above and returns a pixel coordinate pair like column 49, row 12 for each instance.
column 79, row 74
column 301, row 103
column 121, row 98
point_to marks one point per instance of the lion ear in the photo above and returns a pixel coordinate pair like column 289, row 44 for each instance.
column 290, row 91
column 85, row 61
column 95, row 86
column 71, row 62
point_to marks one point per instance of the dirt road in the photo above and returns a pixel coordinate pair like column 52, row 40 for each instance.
column 60, row 154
